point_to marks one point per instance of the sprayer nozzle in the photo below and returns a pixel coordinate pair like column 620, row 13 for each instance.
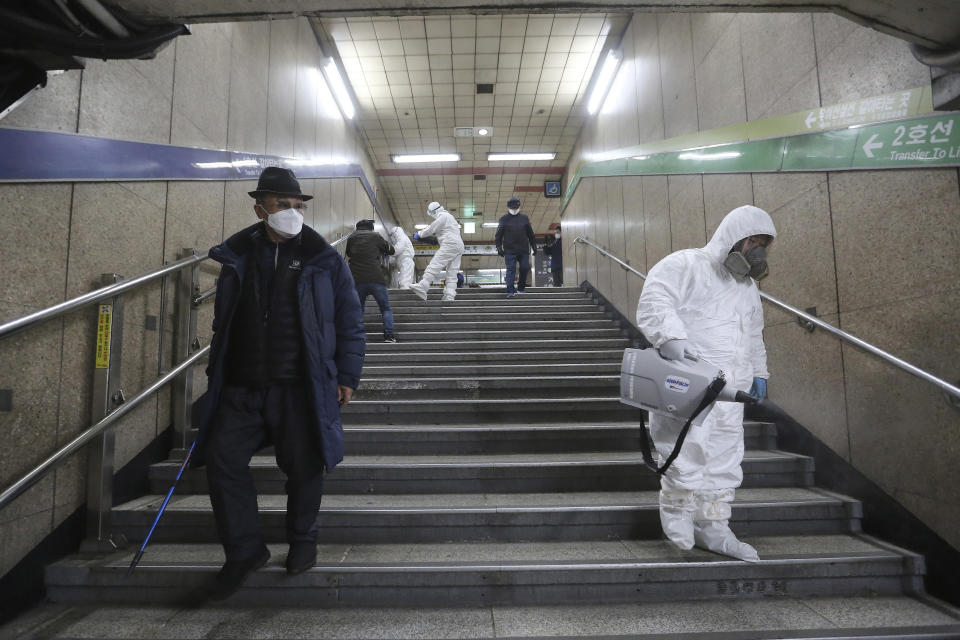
column 746, row 398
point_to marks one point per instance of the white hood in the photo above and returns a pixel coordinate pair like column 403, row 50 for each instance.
column 740, row 223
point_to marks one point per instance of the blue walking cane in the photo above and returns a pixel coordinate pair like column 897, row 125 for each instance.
column 139, row 554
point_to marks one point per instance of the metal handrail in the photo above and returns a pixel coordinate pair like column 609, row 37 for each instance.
column 92, row 432
column 813, row 320
column 93, row 297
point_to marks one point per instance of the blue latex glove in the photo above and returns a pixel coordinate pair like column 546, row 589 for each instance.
column 759, row 388
column 416, row 236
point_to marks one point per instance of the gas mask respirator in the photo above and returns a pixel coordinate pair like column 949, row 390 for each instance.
column 753, row 263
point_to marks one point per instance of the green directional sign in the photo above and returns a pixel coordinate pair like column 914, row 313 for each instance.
column 911, row 143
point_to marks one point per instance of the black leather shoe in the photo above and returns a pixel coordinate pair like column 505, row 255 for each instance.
column 232, row 575
column 302, row 556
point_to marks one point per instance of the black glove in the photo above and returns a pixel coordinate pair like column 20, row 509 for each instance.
column 499, row 252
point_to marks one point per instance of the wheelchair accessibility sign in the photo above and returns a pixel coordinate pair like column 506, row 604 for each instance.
column 551, row 189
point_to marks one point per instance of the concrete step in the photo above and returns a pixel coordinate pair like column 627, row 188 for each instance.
column 424, row 322
column 499, row 473
column 425, row 408
column 380, row 439
column 470, row 343
column 438, row 333
column 556, row 306
column 838, row 618
column 502, row 354
column 489, row 293
column 485, row 388
column 532, row 315
column 416, row 439
column 376, row 371
column 508, row 517
column 495, row 573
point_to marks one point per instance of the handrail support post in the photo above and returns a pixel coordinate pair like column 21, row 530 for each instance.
column 107, row 395
column 188, row 287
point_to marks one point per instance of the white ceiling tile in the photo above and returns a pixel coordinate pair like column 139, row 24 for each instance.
column 488, row 45
column 559, row 44
column 556, row 60
column 440, row 61
column 484, row 100
column 513, row 26
column 346, row 49
column 338, row 30
column 362, row 29
column 525, row 99
column 415, row 46
column 564, row 25
column 463, row 26
column 548, row 88
column 530, row 74
column 548, row 75
column 583, row 44
column 590, row 25
column 418, row 77
column 391, row 47
column 418, row 63
column 422, row 90
column 539, row 26
column 463, row 61
column 375, row 78
column 463, row 81
column 386, row 28
column 439, row 27
column 487, row 61
column 509, row 61
column 412, row 28
column 531, row 60
column 395, row 64
column 367, row 48
column 463, row 45
column 441, row 76
column 379, row 91
column 508, row 75
column 401, row 91
column 578, row 61
column 463, row 102
column 488, row 26
column 439, row 45
column 486, row 76
column 511, row 45
column 535, row 44
column 526, row 87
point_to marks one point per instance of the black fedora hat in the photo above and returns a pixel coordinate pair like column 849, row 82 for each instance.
column 279, row 181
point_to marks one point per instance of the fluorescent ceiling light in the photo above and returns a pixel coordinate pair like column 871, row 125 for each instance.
column 604, row 80
column 491, row 225
column 425, row 157
column 721, row 155
column 482, row 131
column 469, row 227
column 335, row 80
column 494, row 157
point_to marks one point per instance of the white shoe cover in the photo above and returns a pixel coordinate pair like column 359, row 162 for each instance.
column 676, row 517
column 419, row 292
column 716, row 536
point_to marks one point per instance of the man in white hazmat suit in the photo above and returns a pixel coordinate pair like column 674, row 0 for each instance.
column 705, row 302
column 403, row 256
column 448, row 256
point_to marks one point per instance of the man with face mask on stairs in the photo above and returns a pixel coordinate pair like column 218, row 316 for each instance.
column 448, row 256
column 514, row 240
column 705, row 302
column 286, row 354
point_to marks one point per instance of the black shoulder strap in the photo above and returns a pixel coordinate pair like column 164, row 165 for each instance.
column 708, row 397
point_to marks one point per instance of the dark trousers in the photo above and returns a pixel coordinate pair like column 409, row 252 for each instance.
column 557, row 277
column 247, row 420
column 512, row 259
column 379, row 293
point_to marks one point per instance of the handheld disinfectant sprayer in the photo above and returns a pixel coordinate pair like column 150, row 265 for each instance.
column 682, row 389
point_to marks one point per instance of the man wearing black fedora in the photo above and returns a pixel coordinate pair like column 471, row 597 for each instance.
column 286, row 354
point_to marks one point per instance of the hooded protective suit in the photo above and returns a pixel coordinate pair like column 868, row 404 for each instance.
column 447, row 231
column 403, row 256
column 690, row 295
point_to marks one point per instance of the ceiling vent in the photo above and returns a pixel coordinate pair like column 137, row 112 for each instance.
column 463, row 132
column 484, row 88
column 479, row 176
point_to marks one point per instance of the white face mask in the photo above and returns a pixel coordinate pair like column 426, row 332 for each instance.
column 513, row 212
column 286, row 223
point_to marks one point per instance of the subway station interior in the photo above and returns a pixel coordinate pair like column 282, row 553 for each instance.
column 493, row 483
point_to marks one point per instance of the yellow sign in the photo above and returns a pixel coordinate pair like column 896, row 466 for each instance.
column 104, row 324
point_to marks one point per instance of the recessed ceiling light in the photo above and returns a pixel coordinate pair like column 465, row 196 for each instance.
column 494, row 157
column 425, row 157
column 481, row 131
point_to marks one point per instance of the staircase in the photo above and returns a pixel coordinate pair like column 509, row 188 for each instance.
column 493, row 487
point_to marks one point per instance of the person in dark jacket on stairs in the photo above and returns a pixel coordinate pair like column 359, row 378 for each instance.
column 286, row 354
column 514, row 240
column 365, row 248
column 555, row 251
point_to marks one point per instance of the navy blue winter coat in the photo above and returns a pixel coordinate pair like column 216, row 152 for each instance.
column 334, row 337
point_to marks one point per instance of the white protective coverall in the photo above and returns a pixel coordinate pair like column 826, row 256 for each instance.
column 447, row 231
column 403, row 256
column 691, row 295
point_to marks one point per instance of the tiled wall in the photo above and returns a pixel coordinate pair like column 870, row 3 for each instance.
column 245, row 87
column 876, row 252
